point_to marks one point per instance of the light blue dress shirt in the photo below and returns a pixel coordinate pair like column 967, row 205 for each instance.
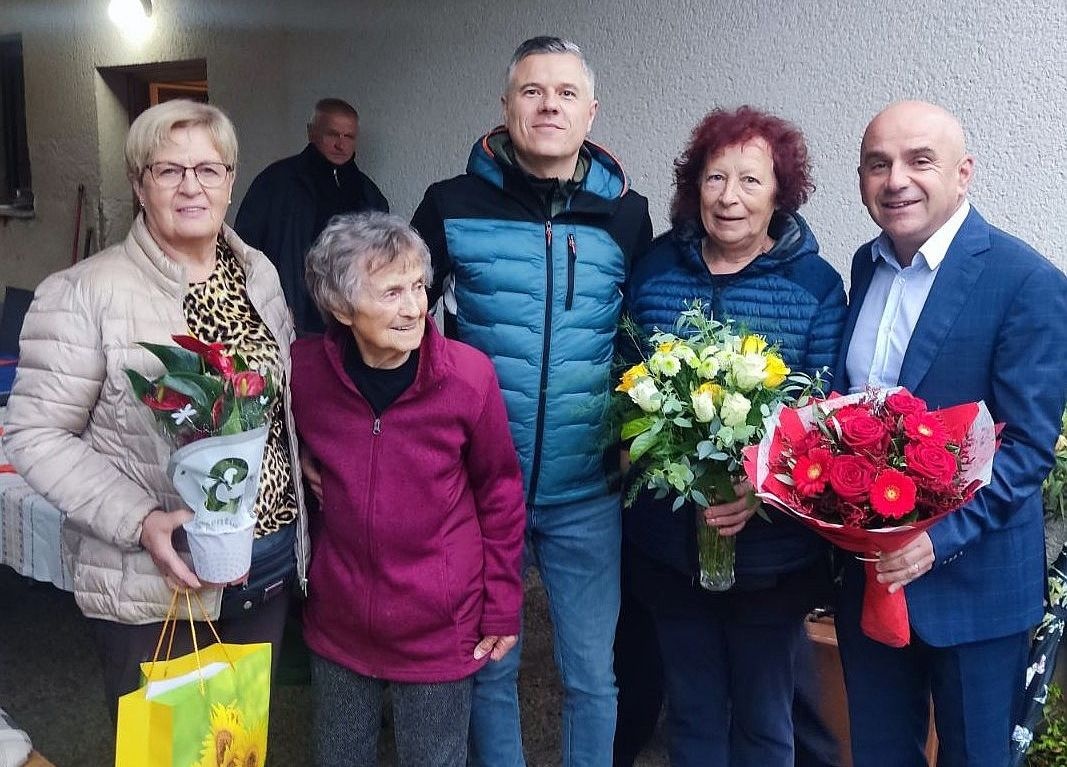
column 892, row 306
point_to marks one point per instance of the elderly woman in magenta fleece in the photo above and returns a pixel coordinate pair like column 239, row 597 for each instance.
column 415, row 582
column 738, row 244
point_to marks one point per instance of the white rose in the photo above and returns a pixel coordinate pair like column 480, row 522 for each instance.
column 645, row 395
column 749, row 370
column 734, row 410
column 703, row 405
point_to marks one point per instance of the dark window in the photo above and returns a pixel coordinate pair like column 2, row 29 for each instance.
column 16, row 195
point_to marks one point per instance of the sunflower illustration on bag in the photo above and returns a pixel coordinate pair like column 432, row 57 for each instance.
column 229, row 743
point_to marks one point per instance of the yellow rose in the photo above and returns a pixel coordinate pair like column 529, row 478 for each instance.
column 753, row 344
column 629, row 378
column 704, row 401
column 666, row 347
column 776, row 371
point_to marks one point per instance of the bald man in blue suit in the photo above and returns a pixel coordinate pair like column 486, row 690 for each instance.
column 955, row 310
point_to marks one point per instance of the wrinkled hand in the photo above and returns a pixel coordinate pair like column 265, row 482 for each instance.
column 730, row 518
column 901, row 567
column 156, row 532
column 496, row 647
column 309, row 467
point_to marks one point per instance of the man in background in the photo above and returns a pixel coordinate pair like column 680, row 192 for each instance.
column 290, row 202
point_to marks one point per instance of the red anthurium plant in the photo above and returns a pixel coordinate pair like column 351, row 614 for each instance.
column 204, row 392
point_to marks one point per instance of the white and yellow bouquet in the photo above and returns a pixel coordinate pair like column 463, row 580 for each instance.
column 689, row 409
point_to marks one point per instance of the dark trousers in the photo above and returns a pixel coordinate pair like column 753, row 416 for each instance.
column 638, row 674
column 122, row 647
column 976, row 688
column 430, row 721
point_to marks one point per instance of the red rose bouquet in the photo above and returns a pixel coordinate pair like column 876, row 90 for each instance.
column 869, row 472
column 212, row 410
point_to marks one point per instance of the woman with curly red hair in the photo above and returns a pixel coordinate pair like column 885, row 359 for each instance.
column 738, row 245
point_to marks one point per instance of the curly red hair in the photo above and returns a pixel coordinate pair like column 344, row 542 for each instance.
column 720, row 129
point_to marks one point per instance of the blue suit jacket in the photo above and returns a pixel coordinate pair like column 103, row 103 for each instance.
column 994, row 328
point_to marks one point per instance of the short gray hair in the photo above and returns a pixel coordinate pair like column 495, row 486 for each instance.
column 332, row 106
column 153, row 127
column 348, row 248
column 546, row 44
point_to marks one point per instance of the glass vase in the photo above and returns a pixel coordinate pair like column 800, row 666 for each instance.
column 716, row 554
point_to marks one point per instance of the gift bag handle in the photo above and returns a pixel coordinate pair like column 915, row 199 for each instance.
column 171, row 622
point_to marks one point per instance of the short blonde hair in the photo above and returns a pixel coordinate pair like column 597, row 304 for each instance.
column 153, row 127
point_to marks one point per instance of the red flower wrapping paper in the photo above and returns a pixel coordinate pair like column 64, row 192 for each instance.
column 879, row 456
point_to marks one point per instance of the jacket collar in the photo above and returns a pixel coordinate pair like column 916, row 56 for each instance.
column 432, row 364
column 604, row 179
column 169, row 275
column 792, row 240
column 956, row 276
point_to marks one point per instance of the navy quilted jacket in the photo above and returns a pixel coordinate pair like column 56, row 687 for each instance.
column 540, row 292
column 791, row 296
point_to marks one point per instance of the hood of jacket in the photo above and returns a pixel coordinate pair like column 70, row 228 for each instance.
column 604, row 177
column 793, row 240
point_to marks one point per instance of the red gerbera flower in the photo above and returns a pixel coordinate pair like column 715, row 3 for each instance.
column 925, row 427
column 811, row 472
column 893, row 494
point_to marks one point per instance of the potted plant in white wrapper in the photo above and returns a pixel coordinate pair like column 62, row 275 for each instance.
column 212, row 410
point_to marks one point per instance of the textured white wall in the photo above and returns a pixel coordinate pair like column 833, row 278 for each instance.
column 426, row 77
column 63, row 43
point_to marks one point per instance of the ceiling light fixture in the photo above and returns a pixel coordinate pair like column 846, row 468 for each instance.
column 133, row 17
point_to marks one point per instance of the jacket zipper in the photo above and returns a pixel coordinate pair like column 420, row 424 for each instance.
column 336, row 178
column 572, row 259
column 546, row 346
column 369, row 537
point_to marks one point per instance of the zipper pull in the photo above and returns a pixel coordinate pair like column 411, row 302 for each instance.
column 548, row 234
column 377, row 426
column 336, row 178
column 572, row 253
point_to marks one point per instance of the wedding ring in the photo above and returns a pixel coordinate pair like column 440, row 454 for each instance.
column 915, row 569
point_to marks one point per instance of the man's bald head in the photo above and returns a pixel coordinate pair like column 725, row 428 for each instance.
column 933, row 118
column 914, row 172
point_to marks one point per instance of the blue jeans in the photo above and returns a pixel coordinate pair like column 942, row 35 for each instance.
column 575, row 547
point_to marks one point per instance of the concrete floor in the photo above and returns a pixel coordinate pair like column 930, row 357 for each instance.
column 50, row 685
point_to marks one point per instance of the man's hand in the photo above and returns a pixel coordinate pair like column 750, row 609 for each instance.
column 310, row 469
column 496, row 647
column 730, row 518
column 156, row 532
column 901, row 567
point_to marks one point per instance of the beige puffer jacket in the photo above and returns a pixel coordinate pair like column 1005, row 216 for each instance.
column 78, row 436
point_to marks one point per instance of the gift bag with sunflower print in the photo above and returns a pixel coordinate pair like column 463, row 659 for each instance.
column 205, row 709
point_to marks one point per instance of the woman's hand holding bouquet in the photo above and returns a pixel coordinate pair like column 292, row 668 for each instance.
column 212, row 410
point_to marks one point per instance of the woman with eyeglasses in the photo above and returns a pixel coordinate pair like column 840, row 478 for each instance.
column 79, row 436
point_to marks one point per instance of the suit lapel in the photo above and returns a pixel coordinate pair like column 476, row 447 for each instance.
column 952, row 287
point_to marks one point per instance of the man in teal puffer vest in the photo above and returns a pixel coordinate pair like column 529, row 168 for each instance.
column 532, row 249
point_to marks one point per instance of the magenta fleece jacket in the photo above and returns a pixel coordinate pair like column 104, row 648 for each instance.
column 416, row 552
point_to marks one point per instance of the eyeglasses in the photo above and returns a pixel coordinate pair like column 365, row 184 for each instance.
column 170, row 175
